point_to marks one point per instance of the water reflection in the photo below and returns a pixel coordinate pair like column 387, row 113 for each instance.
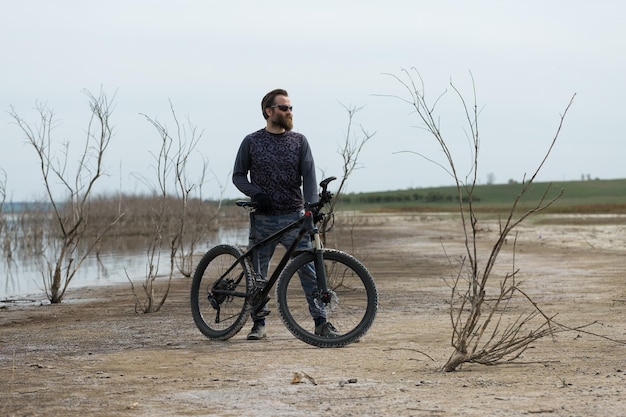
column 114, row 263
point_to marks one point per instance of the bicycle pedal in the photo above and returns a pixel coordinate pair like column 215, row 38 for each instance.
column 260, row 314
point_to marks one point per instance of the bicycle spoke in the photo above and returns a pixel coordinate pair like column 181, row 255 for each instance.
column 218, row 301
column 352, row 306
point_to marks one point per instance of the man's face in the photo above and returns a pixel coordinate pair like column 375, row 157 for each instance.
column 281, row 118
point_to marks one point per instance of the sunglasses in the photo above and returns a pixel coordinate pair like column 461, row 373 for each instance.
column 282, row 107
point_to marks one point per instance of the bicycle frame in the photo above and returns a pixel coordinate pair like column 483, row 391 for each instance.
column 242, row 291
column 259, row 296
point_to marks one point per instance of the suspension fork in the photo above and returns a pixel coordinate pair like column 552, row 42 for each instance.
column 320, row 270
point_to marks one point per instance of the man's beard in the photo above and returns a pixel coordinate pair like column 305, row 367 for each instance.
column 283, row 121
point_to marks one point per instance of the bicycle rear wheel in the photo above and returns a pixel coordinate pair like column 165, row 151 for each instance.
column 353, row 306
column 219, row 304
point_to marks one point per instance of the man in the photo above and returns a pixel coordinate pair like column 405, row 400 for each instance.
column 281, row 167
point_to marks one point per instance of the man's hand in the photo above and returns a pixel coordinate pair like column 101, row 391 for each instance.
column 264, row 202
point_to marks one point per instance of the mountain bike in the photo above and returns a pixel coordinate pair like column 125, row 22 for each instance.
column 227, row 289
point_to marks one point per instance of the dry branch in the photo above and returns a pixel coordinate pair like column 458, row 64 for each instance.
column 482, row 329
column 170, row 223
column 71, row 213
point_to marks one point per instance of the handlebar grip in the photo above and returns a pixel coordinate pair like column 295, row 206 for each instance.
column 324, row 183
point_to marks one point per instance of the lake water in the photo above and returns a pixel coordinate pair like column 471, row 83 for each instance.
column 23, row 278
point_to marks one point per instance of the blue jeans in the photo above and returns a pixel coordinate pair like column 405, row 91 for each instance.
column 266, row 225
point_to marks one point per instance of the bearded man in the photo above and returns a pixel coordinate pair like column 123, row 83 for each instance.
column 281, row 179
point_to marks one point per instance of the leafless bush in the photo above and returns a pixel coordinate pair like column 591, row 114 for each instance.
column 3, row 196
column 350, row 150
column 171, row 228
column 3, row 188
column 483, row 330
column 72, row 212
column 5, row 233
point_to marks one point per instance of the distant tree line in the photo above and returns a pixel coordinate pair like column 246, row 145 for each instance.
column 403, row 197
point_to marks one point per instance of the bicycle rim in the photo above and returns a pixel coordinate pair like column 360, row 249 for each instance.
column 217, row 315
column 352, row 310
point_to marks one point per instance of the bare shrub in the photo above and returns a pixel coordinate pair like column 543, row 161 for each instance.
column 3, row 196
column 350, row 150
column 172, row 231
column 72, row 212
column 5, row 233
column 483, row 331
column 3, row 188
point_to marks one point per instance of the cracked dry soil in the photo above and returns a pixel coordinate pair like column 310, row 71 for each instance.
column 93, row 356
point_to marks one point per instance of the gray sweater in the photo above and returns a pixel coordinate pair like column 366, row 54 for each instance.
column 280, row 165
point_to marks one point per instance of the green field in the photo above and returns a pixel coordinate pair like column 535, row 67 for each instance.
column 594, row 196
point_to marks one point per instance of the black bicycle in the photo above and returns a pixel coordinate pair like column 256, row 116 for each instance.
column 226, row 290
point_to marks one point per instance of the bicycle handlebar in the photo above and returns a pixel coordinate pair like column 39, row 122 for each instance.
column 325, row 197
column 324, row 183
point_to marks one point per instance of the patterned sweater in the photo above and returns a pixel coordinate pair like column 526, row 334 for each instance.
column 279, row 165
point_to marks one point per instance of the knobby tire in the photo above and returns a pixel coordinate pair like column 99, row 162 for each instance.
column 233, row 311
column 351, row 313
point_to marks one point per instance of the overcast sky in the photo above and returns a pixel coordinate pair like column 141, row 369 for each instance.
column 216, row 59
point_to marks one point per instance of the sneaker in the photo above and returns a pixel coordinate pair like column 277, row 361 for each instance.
column 257, row 332
column 326, row 330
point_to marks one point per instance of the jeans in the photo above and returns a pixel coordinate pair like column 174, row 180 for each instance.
column 264, row 226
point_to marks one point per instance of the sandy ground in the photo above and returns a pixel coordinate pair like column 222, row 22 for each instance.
column 93, row 356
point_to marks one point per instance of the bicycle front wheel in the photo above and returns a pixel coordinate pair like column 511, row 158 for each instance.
column 353, row 305
column 219, row 302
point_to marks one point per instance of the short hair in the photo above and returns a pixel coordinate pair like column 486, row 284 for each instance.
column 268, row 100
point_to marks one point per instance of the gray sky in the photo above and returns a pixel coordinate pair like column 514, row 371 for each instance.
column 215, row 60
